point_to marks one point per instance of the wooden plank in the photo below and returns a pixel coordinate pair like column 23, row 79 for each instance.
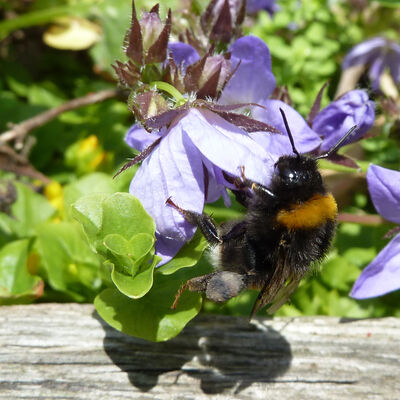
column 65, row 351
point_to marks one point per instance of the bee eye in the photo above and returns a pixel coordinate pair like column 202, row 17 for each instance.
column 289, row 175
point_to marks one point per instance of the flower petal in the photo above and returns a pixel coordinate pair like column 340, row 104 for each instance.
column 394, row 62
column 183, row 54
column 200, row 142
column 353, row 108
column 364, row 52
column 384, row 188
column 278, row 145
column 216, row 183
column 174, row 169
column 253, row 80
column 382, row 275
column 253, row 6
column 138, row 138
column 227, row 146
column 304, row 137
column 375, row 71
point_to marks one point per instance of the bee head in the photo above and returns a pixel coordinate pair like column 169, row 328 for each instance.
column 296, row 176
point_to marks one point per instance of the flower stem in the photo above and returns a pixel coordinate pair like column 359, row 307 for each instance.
column 326, row 164
column 365, row 219
column 171, row 90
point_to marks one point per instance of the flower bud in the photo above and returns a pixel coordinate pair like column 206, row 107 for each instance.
column 147, row 40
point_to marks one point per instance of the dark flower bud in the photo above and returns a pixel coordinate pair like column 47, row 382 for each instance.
column 146, row 41
column 146, row 105
column 222, row 18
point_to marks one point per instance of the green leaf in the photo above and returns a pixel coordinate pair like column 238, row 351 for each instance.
column 315, row 31
column 46, row 94
column 151, row 316
column 310, row 297
column 120, row 213
column 96, row 182
column 116, row 244
column 69, row 263
column 136, row 248
column 29, row 210
column 344, row 306
column 360, row 256
column 17, row 78
column 140, row 245
column 389, row 3
column 187, row 256
column 17, row 285
column 138, row 285
column 88, row 211
column 132, row 271
column 38, row 18
column 120, row 229
column 339, row 273
column 124, row 214
column 279, row 48
column 115, row 19
column 119, row 254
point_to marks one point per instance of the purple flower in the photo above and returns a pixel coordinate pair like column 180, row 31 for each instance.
column 187, row 166
column 188, row 159
column 188, row 162
column 254, row 6
column 382, row 275
column 327, row 128
column 183, row 54
column 306, row 139
column 253, row 81
column 353, row 108
column 379, row 54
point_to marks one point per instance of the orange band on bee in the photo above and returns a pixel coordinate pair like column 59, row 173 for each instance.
column 314, row 212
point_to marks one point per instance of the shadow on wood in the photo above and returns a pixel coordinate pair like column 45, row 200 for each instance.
column 61, row 351
column 207, row 354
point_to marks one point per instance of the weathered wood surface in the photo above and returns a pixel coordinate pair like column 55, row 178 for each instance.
column 64, row 351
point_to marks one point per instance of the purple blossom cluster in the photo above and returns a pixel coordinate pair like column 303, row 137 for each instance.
column 382, row 275
column 254, row 6
column 377, row 54
column 193, row 154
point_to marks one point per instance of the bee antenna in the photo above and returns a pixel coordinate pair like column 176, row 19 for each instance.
column 289, row 132
column 337, row 145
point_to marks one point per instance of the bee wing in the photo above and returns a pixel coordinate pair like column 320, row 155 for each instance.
column 277, row 289
column 283, row 295
column 261, row 301
column 271, row 287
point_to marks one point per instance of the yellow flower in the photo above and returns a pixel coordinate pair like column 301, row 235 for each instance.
column 54, row 193
column 89, row 144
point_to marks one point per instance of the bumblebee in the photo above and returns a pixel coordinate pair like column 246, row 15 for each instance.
column 288, row 227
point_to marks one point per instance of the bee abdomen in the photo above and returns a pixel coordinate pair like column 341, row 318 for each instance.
column 310, row 245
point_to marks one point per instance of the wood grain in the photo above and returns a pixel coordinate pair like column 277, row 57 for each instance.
column 64, row 351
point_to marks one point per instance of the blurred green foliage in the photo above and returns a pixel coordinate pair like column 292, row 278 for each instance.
column 46, row 255
column 308, row 40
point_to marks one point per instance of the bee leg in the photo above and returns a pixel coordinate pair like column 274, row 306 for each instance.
column 242, row 192
column 242, row 197
column 224, row 285
column 218, row 286
column 203, row 221
column 256, row 187
column 236, row 231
